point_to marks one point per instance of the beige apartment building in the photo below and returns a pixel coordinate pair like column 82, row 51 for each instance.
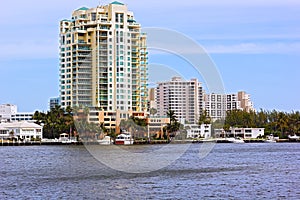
column 183, row 97
column 103, row 60
column 216, row 105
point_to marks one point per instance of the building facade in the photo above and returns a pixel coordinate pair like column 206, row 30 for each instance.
column 151, row 99
column 55, row 101
column 156, row 125
column 198, row 131
column 246, row 133
column 216, row 105
column 22, row 116
column 103, row 60
column 21, row 130
column 245, row 101
column 6, row 111
column 185, row 98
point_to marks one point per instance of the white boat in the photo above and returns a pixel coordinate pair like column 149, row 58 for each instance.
column 270, row 139
column 105, row 141
column 294, row 137
column 235, row 140
column 66, row 141
column 124, row 139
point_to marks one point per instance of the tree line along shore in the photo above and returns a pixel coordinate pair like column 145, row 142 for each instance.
column 278, row 123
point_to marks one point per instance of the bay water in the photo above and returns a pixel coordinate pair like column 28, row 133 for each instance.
column 229, row 171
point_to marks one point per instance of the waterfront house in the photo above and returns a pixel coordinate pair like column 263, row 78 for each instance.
column 246, row 133
column 198, row 131
column 21, row 130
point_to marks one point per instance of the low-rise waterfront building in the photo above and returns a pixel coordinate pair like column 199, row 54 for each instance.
column 246, row 133
column 112, row 120
column 156, row 125
column 198, row 131
column 21, row 130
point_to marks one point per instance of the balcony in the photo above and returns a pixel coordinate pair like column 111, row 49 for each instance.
column 83, row 48
column 81, row 42
column 103, row 35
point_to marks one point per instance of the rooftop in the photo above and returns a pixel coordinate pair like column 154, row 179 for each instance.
column 22, row 124
column 117, row 3
column 82, row 8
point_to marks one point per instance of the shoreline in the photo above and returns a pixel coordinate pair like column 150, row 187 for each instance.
column 141, row 142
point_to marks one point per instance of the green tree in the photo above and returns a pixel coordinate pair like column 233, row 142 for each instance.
column 55, row 121
column 282, row 123
column 136, row 126
column 204, row 118
column 153, row 111
column 174, row 125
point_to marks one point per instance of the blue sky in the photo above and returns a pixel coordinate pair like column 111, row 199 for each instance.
column 255, row 46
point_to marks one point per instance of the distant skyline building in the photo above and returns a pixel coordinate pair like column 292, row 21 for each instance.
column 23, row 116
column 151, row 98
column 103, row 60
column 216, row 105
column 9, row 113
column 6, row 111
column 185, row 98
column 55, row 101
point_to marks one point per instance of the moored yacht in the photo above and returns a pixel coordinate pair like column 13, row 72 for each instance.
column 105, row 141
column 236, row 140
column 124, row 139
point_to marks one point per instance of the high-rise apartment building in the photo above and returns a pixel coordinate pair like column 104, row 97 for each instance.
column 216, row 105
column 103, row 59
column 185, row 98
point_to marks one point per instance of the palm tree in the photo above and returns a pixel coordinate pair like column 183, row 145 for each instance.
column 171, row 115
column 204, row 118
column 153, row 111
column 174, row 125
column 11, row 134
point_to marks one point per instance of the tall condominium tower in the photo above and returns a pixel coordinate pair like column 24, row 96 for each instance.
column 185, row 98
column 103, row 59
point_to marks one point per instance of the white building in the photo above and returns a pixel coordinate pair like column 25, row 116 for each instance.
column 21, row 130
column 216, row 105
column 198, row 131
column 246, row 133
column 6, row 111
column 185, row 98
column 22, row 116
column 9, row 113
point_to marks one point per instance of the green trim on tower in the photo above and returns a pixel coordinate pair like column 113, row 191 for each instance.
column 117, row 3
column 82, row 8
